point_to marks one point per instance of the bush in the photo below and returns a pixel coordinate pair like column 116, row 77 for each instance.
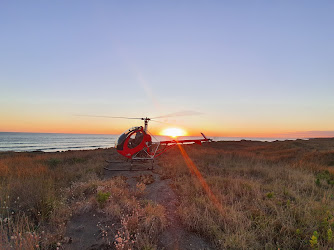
column 270, row 195
column 102, row 198
column 53, row 162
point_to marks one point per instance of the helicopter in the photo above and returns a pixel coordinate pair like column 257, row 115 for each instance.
column 136, row 144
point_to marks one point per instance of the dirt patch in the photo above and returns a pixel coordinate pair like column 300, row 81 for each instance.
column 83, row 231
column 86, row 230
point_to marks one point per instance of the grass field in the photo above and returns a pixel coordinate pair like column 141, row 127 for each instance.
column 36, row 196
column 261, row 195
column 236, row 195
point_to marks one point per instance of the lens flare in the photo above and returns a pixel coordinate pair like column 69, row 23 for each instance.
column 195, row 172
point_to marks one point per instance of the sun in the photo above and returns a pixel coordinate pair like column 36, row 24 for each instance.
column 173, row 132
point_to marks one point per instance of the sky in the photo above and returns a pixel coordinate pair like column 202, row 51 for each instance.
column 250, row 68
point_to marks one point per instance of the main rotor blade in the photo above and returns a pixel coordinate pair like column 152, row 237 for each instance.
column 182, row 113
column 160, row 122
column 104, row 116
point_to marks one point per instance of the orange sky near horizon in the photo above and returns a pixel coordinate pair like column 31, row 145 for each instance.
column 93, row 125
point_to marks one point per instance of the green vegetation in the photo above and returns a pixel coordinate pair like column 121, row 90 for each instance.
column 102, row 198
column 314, row 240
column 270, row 195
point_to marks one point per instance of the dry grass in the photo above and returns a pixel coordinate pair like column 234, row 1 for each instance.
column 138, row 222
column 40, row 192
column 18, row 233
column 239, row 195
column 36, row 196
column 270, row 195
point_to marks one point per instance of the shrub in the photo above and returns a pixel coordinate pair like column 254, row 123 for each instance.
column 329, row 235
column 270, row 195
column 53, row 162
column 314, row 240
column 102, row 198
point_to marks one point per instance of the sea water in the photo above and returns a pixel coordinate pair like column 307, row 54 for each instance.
column 52, row 142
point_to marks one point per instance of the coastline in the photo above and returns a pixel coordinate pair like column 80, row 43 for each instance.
column 109, row 141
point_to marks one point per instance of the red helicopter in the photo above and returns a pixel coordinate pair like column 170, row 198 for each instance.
column 136, row 143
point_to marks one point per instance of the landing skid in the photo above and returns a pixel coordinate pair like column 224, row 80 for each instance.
column 115, row 161
column 131, row 165
column 149, row 169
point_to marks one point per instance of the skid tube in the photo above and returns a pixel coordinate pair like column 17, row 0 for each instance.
column 131, row 165
column 120, row 170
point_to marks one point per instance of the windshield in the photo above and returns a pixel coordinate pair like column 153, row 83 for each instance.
column 122, row 137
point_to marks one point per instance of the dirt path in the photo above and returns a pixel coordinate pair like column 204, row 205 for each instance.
column 84, row 230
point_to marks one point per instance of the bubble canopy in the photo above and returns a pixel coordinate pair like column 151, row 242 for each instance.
column 121, row 139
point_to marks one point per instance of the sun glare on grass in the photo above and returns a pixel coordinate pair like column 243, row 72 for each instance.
column 173, row 132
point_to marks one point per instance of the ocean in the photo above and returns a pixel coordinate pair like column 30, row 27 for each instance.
column 51, row 142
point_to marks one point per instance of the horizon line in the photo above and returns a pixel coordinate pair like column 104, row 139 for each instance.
column 281, row 136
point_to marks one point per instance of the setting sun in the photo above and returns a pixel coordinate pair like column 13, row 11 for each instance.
column 173, row 132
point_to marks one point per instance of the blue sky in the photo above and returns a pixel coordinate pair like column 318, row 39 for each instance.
column 251, row 67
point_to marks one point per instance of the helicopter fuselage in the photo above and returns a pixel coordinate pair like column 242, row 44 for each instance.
column 132, row 141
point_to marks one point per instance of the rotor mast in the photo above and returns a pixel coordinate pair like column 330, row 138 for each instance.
column 146, row 123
